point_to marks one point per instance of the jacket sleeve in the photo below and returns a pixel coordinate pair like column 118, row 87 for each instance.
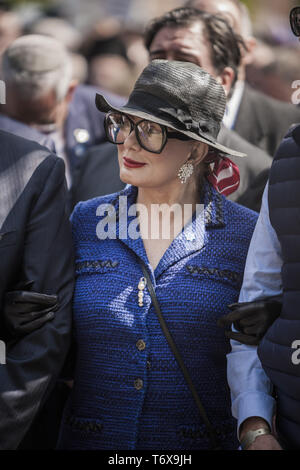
column 34, row 362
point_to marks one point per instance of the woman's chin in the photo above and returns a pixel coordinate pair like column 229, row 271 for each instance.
column 128, row 178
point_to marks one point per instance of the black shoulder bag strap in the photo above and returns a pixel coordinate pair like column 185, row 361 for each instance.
column 210, row 429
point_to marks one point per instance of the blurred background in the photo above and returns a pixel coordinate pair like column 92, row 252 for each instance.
column 105, row 38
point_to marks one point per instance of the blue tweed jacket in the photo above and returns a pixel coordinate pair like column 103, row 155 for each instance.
column 129, row 392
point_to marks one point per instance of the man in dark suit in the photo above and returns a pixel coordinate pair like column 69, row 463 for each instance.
column 184, row 34
column 263, row 120
column 254, row 169
column 98, row 175
column 256, row 117
column 36, row 251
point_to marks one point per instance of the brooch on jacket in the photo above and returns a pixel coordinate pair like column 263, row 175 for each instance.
column 141, row 288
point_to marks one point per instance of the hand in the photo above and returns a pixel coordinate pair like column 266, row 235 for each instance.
column 264, row 442
column 251, row 319
column 25, row 311
column 267, row 442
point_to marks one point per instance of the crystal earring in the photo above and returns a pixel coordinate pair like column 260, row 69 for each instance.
column 185, row 172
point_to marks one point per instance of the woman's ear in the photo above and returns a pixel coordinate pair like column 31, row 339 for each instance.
column 71, row 90
column 248, row 55
column 198, row 152
column 226, row 79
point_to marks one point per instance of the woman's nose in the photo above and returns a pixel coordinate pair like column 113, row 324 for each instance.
column 131, row 141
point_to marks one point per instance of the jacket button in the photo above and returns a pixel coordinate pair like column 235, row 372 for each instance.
column 138, row 384
column 141, row 345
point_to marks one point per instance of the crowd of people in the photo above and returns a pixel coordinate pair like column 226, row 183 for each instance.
column 118, row 336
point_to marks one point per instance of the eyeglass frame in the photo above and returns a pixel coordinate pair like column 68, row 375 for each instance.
column 296, row 31
column 166, row 133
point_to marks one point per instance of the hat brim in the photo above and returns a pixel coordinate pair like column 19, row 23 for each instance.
column 104, row 106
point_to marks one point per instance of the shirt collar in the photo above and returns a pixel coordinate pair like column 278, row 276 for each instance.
column 233, row 104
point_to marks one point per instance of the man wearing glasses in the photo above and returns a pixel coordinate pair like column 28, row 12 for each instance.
column 270, row 375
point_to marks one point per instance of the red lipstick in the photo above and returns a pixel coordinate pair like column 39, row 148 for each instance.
column 132, row 163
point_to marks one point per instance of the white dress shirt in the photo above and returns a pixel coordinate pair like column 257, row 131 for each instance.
column 233, row 104
column 251, row 389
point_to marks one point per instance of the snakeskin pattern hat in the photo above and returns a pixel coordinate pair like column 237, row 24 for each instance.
column 179, row 95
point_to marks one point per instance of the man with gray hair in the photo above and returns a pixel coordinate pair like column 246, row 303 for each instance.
column 41, row 93
column 37, row 72
column 258, row 118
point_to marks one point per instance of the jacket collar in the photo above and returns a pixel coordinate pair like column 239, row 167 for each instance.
column 192, row 239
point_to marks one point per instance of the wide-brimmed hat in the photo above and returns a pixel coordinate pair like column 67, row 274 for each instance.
column 180, row 95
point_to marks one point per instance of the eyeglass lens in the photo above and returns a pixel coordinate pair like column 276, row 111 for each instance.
column 295, row 20
column 149, row 134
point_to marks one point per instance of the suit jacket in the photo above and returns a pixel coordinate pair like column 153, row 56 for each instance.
column 254, row 169
column 98, row 174
column 35, row 245
column 264, row 121
column 16, row 127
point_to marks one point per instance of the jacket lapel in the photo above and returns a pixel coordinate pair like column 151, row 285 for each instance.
column 195, row 235
column 13, row 180
column 252, row 128
column 127, row 228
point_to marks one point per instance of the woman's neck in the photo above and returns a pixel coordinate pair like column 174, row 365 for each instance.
column 165, row 216
column 175, row 193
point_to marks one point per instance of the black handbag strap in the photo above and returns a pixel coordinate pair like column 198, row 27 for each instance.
column 174, row 349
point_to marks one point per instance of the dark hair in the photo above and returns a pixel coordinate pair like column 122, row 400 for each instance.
column 226, row 45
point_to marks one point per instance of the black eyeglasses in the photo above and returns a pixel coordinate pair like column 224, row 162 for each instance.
column 150, row 135
column 295, row 21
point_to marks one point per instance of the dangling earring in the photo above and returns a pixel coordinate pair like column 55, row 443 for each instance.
column 185, row 172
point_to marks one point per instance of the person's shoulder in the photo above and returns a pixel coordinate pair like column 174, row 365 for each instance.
column 21, row 144
column 19, row 152
column 91, row 206
column 239, row 217
column 257, row 158
column 290, row 145
column 267, row 103
column 294, row 132
column 18, row 128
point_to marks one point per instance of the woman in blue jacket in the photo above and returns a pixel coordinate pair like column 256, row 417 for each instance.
column 129, row 392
